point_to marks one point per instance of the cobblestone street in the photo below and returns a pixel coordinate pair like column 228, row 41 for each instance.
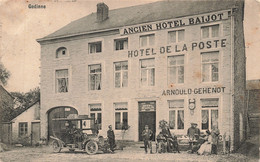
column 128, row 154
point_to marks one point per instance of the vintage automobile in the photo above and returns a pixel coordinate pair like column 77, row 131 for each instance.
column 74, row 135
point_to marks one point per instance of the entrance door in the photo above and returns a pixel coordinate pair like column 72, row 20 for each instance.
column 36, row 130
column 147, row 116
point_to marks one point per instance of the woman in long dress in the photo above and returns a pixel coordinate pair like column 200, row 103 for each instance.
column 205, row 148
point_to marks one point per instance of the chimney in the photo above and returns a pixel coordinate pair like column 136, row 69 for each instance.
column 102, row 12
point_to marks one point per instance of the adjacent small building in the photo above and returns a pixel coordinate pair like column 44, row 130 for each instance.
column 174, row 60
column 26, row 125
column 6, row 106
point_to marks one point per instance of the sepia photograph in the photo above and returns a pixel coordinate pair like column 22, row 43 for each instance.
column 129, row 80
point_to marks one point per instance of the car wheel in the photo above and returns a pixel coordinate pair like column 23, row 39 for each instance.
column 56, row 147
column 91, row 147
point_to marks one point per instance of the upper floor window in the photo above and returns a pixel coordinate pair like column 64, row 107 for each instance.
column 95, row 47
column 61, row 52
column 176, row 114
column 121, row 44
column 176, row 69
column 176, row 36
column 62, row 81
column 210, row 31
column 147, row 72
column 121, row 74
column 209, row 113
column 95, row 77
column 210, row 66
column 23, row 129
column 147, row 40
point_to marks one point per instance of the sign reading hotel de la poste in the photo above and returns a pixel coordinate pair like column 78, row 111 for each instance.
column 174, row 23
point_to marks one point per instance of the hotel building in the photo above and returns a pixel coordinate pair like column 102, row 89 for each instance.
column 178, row 61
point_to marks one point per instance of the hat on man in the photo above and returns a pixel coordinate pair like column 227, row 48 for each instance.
column 193, row 123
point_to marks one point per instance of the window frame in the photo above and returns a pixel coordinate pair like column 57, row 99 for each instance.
column 177, row 72
column 95, row 43
column 176, row 36
column 96, row 73
column 210, row 63
column 121, row 114
column 25, row 126
column 56, row 80
column 147, row 41
column 210, row 31
column 209, row 109
column 96, row 112
column 63, row 57
column 148, row 70
column 176, row 110
column 118, row 40
column 121, row 74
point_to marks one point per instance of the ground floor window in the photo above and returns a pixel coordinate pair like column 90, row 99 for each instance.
column 23, row 129
column 176, row 114
column 96, row 113
column 121, row 116
column 209, row 113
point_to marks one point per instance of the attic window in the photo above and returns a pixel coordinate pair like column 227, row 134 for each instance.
column 61, row 52
column 95, row 47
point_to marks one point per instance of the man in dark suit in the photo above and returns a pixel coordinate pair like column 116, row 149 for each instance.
column 111, row 138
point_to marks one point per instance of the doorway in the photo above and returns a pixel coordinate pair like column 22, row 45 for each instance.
column 147, row 116
column 36, row 130
column 55, row 128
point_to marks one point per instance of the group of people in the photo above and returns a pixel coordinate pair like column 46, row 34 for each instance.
column 202, row 145
column 198, row 143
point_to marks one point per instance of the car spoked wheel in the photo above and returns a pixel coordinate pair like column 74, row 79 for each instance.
column 56, row 146
column 91, row 147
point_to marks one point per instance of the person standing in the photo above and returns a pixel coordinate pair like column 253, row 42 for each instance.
column 214, row 134
column 111, row 138
column 193, row 133
column 147, row 135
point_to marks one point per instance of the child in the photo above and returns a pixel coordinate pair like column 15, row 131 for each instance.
column 147, row 134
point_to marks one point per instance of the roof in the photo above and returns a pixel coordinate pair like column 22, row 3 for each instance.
column 151, row 12
column 2, row 89
column 26, row 108
column 252, row 84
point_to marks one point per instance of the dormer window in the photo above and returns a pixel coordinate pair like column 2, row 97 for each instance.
column 61, row 52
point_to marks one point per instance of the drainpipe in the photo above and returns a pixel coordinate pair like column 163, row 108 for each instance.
column 231, row 130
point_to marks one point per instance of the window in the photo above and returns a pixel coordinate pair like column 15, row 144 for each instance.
column 147, row 72
column 95, row 77
column 61, row 52
column 209, row 113
column 121, row 116
column 121, row 44
column 176, row 36
column 121, row 74
column 95, row 112
column 210, row 31
column 95, row 47
column 147, row 40
column 62, row 81
column 176, row 69
column 210, row 66
column 176, row 114
column 23, row 129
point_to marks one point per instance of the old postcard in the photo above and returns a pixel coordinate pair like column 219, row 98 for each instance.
column 121, row 80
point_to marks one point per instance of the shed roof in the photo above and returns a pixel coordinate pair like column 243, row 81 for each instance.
column 151, row 12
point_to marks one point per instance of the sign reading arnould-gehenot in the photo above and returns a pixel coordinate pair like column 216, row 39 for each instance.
column 173, row 23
